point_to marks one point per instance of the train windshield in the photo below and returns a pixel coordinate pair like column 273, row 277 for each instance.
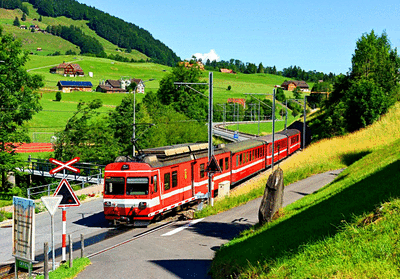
column 137, row 186
column 114, row 186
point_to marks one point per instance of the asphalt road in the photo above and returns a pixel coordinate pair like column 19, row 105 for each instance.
column 87, row 219
column 184, row 249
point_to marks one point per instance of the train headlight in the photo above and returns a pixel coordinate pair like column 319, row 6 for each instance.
column 107, row 203
column 142, row 205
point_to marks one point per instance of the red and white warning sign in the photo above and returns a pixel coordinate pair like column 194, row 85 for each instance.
column 69, row 198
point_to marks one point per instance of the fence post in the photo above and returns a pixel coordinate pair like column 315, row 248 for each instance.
column 46, row 260
column 29, row 193
column 70, row 250
column 82, row 246
column 48, row 189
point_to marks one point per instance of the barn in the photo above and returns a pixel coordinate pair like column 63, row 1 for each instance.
column 69, row 86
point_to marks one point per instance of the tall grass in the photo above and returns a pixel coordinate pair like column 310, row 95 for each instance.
column 359, row 190
column 340, row 152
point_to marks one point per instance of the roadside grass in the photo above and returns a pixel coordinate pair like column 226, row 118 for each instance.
column 357, row 192
column 322, row 156
column 4, row 215
column 64, row 272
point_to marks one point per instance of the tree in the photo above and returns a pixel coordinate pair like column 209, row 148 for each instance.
column 371, row 87
column 19, row 101
column 87, row 135
column 40, row 18
column 23, row 18
column 58, row 96
column 280, row 95
column 183, row 99
column 297, row 93
column 260, row 68
column 16, row 22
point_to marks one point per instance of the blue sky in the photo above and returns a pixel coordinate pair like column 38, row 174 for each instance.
column 315, row 35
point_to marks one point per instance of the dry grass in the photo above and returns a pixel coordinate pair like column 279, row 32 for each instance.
column 335, row 153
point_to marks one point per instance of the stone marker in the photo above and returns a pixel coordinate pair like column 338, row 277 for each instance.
column 273, row 197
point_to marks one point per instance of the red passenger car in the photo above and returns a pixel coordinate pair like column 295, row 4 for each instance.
column 164, row 178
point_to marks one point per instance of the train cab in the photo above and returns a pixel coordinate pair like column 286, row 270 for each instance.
column 131, row 192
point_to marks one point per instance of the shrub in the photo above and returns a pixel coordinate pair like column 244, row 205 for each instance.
column 58, row 96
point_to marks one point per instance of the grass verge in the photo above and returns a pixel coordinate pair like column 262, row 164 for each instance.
column 315, row 219
column 64, row 272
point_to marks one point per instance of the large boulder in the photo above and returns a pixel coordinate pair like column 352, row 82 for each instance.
column 273, row 197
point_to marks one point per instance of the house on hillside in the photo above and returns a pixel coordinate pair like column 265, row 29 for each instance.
column 115, row 86
column 73, row 70
column 290, row 85
column 70, row 86
column 227, row 71
column 198, row 64
column 67, row 69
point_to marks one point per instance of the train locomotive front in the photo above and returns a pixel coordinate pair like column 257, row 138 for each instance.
column 131, row 193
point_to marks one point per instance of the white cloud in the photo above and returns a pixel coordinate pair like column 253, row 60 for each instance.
column 212, row 55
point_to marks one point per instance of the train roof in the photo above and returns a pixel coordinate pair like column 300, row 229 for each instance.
column 179, row 153
column 242, row 145
column 289, row 132
column 268, row 138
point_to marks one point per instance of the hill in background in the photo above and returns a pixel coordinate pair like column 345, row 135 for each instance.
column 124, row 39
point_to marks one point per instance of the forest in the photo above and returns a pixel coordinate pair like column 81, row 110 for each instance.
column 117, row 31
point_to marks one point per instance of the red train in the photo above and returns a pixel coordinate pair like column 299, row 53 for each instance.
column 171, row 176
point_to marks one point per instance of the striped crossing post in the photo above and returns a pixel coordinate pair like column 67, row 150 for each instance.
column 64, row 234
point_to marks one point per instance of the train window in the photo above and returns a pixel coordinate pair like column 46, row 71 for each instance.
column 241, row 159
column 202, row 173
column 155, row 183
column 174, row 179
column 167, row 181
column 226, row 163
column 237, row 160
column 137, row 186
column 221, row 163
column 114, row 186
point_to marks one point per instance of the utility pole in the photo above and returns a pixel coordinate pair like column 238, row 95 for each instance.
column 210, row 132
column 210, row 126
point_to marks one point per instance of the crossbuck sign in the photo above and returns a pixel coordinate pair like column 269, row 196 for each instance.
column 66, row 165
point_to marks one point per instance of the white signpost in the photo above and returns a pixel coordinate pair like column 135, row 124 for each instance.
column 51, row 204
column 23, row 237
column 68, row 196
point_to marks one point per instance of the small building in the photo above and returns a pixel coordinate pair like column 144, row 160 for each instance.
column 39, row 49
column 70, row 86
column 118, row 86
column 292, row 84
column 73, row 70
column 227, row 71
column 67, row 69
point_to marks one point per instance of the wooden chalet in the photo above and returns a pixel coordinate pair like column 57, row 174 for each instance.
column 227, row 71
column 67, row 69
column 290, row 85
column 70, row 86
column 118, row 86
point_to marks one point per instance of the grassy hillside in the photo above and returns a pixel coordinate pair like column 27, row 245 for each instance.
column 45, row 121
column 49, row 43
column 341, row 231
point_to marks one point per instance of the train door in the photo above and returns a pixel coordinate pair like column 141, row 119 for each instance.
column 192, row 177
